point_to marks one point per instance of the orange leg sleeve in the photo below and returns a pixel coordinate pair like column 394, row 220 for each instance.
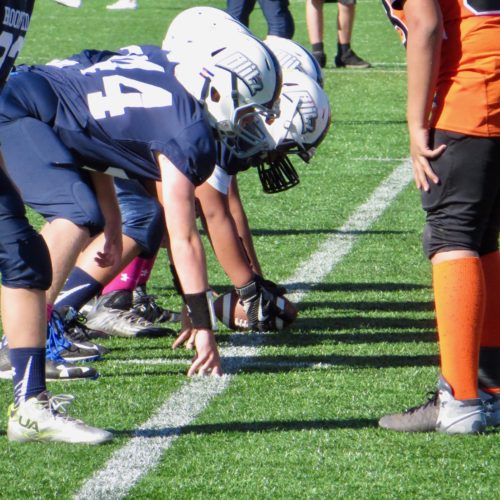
column 490, row 338
column 459, row 295
column 491, row 325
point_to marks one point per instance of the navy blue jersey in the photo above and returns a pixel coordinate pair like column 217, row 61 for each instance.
column 15, row 15
column 117, row 108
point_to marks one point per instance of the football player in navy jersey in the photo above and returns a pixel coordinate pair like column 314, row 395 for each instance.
column 127, row 115
column 26, row 274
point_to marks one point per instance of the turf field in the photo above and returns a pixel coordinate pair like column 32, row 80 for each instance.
column 296, row 415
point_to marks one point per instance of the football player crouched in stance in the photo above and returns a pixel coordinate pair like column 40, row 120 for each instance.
column 95, row 117
column 124, row 309
column 35, row 414
column 309, row 116
column 303, row 122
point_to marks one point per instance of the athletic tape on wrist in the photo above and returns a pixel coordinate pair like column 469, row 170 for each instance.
column 201, row 311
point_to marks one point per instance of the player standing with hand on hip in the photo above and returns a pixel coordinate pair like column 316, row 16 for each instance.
column 453, row 56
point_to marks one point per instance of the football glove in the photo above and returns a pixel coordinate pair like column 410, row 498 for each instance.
column 271, row 286
column 259, row 306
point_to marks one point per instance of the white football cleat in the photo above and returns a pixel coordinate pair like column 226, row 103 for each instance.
column 43, row 418
column 75, row 4
column 123, row 5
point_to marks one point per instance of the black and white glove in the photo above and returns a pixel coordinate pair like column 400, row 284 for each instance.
column 272, row 287
column 259, row 306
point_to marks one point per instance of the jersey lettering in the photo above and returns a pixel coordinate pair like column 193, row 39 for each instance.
column 121, row 92
column 482, row 7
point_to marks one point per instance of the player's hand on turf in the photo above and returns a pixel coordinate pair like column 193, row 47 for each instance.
column 421, row 153
column 207, row 359
column 187, row 334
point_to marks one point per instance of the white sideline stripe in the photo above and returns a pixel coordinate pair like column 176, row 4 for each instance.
column 144, row 451
column 251, row 363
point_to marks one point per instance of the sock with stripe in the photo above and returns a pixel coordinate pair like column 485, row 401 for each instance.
column 28, row 372
column 79, row 288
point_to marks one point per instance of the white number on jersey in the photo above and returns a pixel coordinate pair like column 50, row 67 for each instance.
column 114, row 99
column 10, row 47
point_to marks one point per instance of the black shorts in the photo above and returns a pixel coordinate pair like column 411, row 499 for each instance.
column 463, row 210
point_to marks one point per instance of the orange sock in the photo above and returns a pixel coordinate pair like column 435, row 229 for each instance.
column 490, row 338
column 459, row 296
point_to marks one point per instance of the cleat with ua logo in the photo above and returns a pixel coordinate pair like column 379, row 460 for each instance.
column 43, row 418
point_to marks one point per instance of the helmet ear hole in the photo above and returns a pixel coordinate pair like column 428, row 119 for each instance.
column 214, row 95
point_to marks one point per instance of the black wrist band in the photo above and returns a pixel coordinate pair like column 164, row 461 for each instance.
column 201, row 310
column 248, row 291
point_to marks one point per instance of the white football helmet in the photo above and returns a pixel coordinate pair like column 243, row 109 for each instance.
column 292, row 55
column 194, row 25
column 304, row 116
column 238, row 79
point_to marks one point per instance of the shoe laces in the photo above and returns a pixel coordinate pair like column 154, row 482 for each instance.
column 56, row 341
column 433, row 397
column 56, row 404
column 76, row 323
column 133, row 318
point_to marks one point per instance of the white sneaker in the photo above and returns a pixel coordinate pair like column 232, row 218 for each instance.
column 75, row 4
column 442, row 413
column 122, row 5
column 459, row 416
column 43, row 418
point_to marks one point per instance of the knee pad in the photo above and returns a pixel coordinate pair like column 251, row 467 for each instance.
column 25, row 262
column 143, row 219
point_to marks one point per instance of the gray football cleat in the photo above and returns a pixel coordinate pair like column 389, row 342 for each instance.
column 491, row 404
column 43, row 418
column 442, row 413
column 111, row 314
column 145, row 305
column 56, row 368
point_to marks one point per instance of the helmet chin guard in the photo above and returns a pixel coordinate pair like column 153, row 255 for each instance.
column 278, row 175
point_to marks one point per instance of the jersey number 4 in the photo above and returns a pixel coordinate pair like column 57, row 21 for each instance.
column 121, row 92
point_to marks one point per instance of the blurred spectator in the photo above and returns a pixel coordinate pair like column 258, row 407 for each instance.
column 346, row 57
column 278, row 16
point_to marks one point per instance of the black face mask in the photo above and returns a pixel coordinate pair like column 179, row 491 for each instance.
column 277, row 175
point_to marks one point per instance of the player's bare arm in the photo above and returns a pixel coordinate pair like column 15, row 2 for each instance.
column 106, row 196
column 423, row 50
column 223, row 235
column 189, row 260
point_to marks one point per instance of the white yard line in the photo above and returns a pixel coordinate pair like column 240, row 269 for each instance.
column 252, row 363
column 144, row 451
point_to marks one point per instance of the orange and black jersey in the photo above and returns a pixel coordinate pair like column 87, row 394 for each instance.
column 467, row 96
